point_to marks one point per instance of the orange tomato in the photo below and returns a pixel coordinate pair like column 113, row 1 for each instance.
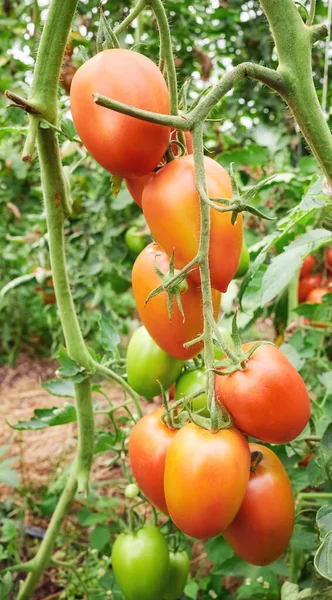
column 307, row 265
column 267, row 400
column 170, row 335
column 316, row 296
column 172, row 210
column 123, row 145
column 262, row 528
column 308, row 283
column 206, row 477
column 148, row 444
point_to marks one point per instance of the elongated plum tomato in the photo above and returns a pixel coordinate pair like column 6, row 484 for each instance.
column 123, row 145
column 172, row 210
column 268, row 399
column 308, row 283
column 307, row 265
column 206, row 478
column 148, row 444
column 179, row 564
column 148, row 365
column 262, row 528
column 140, row 563
column 135, row 186
column 169, row 335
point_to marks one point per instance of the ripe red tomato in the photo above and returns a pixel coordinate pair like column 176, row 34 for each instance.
column 172, row 210
column 135, row 187
column 169, row 335
column 307, row 265
column 316, row 296
column 206, row 478
column 262, row 528
column 328, row 259
column 148, row 445
column 268, row 400
column 308, row 283
column 123, row 145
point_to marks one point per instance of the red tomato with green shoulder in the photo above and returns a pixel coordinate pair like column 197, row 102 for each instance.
column 206, row 478
column 140, row 562
column 169, row 335
column 190, row 382
column 125, row 146
column 307, row 265
column 268, row 399
column 308, row 283
column 171, row 207
column 179, row 564
column 263, row 526
column 148, row 365
column 149, row 441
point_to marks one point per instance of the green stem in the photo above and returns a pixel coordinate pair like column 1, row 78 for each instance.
column 203, row 261
column 43, row 556
column 166, row 51
column 312, row 10
column 109, row 374
column 145, row 115
column 293, row 298
column 85, row 420
column 319, row 495
column 130, row 18
column 293, row 40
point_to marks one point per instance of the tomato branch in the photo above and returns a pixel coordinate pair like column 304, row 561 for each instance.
column 131, row 17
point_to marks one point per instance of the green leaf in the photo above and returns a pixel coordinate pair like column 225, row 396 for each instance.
column 6, row 586
column 109, row 335
column 293, row 356
column 100, row 537
column 325, row 450
column 324, row 520
column 68, row 128
column 69, row 367
column 191, row 590
column 63, row 388
column 86, row 517
column 290, row 591
column 323, row 557
column 9, row 477
column 218, row 550
column 49, row 417
column 326, row 381
column 122, row 200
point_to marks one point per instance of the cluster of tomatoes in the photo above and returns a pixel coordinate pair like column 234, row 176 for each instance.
column 313, row 286
column 208, row 482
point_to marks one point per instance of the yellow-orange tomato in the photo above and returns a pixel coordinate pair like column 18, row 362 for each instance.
column 172, row 210
column 262, row 528
column 123, row 145
column 206, row 478
column 170, row 335
column 148, row 443
column 316, row 296
column 268, row 399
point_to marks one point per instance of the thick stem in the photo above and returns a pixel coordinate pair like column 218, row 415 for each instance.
column 203, row 261
column 166, row 51
column 43, row 556
column 85, row 420
column 293, row 40
column 144, row 115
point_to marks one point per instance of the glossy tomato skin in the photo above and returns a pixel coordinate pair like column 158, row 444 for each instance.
column 316, row 296
column 148, row 444
column 178, row 575
column 140, row 562
column 123, row 145
column 190, row 382
column 244, row 263
column 206, row 477
column 262, row 528
column 268, row 400
column 135, row 187
column 308, row 283
column 172, row 210
column 169, row 335
column 147, row 364
column 307, row 265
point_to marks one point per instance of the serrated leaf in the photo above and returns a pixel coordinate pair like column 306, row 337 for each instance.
column 68, row 128
column 69, row 367
column 100, row 537
column 109, row 335
column 218, row 550
column 324, row 520
column 9, row 477
column 293, row 356
column 48, row 417
column 63, row 388
column 325, row 450
column 323, row 557
column 122, row 200
column 116, row 183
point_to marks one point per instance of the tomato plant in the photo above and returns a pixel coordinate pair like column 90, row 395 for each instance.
column 179, row 564
column 307, row 284
column 171, row 208
column 148, row 444
column 263, row 526
column 206, row 476
column 140, row 562
column 307, row 265
column 148, row 366
column 170, row 335
column 267, row 399
column 191, row 382
column 125, row 146
column 328, row 259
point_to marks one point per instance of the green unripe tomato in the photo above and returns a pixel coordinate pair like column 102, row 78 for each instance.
column 140, row 563
column 244, row 263
column 147, row 364
column 218, row 354
column 190, row 382
column 178, row 575
column 131, row 490
column 135, row 240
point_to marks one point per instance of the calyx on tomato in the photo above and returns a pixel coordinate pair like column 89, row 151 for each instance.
column 172, row 288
